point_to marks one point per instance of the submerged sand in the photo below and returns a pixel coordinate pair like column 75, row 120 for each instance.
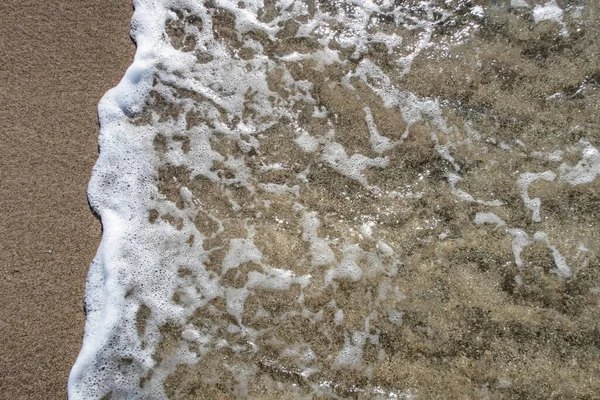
column 457, row 260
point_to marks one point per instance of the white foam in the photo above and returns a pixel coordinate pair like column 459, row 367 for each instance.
column 489, row 218
column 380, row 144
column 348, row 268
column 550, row 12
column 453, row 179
column 586, row 170
column 141, row 266
column 523, row 183
column 307, row 142
column 352, row 166
column 478, row 11
column 320, row 251
column 241, row 251
column 519, row 242
column 519, row 4
column 562, row 268
column 351, row 354
column 395, row 317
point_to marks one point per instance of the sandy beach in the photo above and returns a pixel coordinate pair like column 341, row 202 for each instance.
column 58, row 59
column 315, row 200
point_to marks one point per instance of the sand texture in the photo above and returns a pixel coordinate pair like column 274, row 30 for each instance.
column 57, row 60
column 408, row 220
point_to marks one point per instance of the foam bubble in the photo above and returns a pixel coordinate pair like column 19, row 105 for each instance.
column 550, row 12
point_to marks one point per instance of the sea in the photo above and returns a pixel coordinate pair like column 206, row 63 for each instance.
column 344, row 199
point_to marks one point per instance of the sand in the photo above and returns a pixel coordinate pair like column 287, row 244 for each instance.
column 472, row 324
column 57, row 59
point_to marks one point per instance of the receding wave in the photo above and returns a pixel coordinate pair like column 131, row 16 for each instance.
column 348, row 199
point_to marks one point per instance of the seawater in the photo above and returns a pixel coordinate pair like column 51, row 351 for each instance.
column 348, row 199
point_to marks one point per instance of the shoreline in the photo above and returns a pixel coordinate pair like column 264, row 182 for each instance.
column 58, row 61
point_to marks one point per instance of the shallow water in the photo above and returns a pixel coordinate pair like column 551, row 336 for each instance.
column 347, row 199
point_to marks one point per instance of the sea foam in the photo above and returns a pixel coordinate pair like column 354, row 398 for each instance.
column 259, row 182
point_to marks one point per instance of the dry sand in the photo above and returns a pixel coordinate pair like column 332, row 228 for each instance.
column 57, row 59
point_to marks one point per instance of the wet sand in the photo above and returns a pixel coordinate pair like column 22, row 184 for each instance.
column 435, row 271
column 58, row 59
